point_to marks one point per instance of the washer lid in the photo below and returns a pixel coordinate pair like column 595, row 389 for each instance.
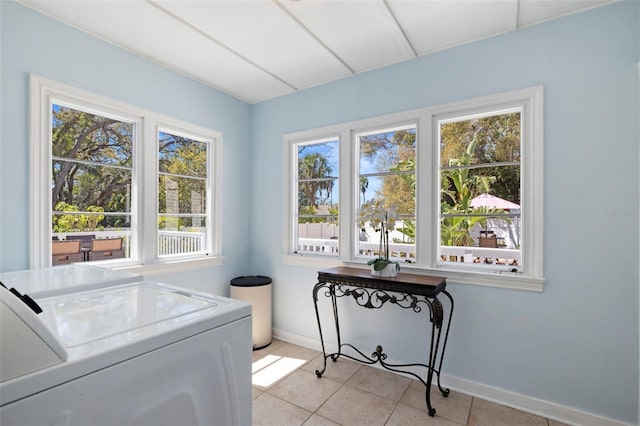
column 91, row 316
column 65, row 279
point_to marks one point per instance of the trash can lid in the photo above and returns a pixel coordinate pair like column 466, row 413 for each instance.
column 250, row 281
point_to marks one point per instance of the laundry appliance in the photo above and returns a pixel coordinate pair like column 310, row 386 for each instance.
column 140, row 353
column 65, row 279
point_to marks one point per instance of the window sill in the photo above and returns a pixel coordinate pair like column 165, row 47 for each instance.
column 168, row 267
column 484, row 279
column 312, row 261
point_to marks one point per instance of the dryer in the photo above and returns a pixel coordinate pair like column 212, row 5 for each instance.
column 131, row 354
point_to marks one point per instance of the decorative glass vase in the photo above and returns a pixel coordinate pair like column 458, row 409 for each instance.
column 389, row 271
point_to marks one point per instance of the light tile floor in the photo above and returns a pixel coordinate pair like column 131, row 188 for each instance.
column 286, row 392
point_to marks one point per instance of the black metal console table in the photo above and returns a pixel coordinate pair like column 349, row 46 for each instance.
column 406, row 291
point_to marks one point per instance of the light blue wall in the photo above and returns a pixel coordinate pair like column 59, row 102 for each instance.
column 575, row 344
column 33, row 43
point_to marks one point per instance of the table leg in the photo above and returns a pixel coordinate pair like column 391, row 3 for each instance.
column 445, row 392
column 334, row 304
column 316, row 288
column 433, row 351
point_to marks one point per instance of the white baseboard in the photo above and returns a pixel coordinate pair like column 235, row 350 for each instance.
column 500, row 396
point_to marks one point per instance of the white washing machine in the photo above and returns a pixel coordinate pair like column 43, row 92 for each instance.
column 141, row 353
column 65, row 279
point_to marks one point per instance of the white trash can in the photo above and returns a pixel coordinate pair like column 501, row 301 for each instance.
column 257, row 291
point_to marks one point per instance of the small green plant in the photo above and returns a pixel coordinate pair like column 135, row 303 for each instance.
column 72, row 221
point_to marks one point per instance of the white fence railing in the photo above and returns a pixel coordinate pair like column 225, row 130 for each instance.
column 169, row 242
column 176, row 242
column 402, row 252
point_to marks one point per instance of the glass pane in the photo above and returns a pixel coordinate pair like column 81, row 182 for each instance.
column 318, row 235
column 86, row 188
column 388, row 151
column 393, row 191
column 480, row 199
column 181, row 235
column 317, row 197
column 495, row 139
column 83, row 227
column 319, row 160
column 387, row 176
column 181, row 195
column 318, row 184
column 399, row 203
column 182, row 156
column 88, row 137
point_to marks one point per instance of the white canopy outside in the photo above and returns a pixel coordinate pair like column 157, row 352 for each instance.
column 488, row 200
column 508, row 231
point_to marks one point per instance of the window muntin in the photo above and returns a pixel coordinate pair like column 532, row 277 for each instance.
column 91, row 175
column 386, row 175
column 183, row 170
column 317, row 181
column 480, row 189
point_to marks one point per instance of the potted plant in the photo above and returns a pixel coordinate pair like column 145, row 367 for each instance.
column 381, row 220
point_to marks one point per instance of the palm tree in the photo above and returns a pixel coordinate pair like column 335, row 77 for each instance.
column 314, row 173
column 364, row 185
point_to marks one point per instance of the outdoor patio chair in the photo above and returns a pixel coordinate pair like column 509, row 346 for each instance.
column 85, row 243
column 65, row 252
column 110, row 248
column 490, row 241
column 86, row 240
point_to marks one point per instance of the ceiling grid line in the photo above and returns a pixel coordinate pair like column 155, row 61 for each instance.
column 400, row 28
column 515, row 22
column 255, row 50
column 316, row 38
column 224, row 46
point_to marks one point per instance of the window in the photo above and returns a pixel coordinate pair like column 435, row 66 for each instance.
column 386, row 176
column 317, row 182
column 480, row 189
column 106, row 166
column 183, row 200
column 92, row 174
column 463, row 180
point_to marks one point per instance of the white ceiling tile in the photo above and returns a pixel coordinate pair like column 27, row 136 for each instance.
column 264, row 34
column 439, row 24
column 534, row 11
column 167, row 41
column 362, row 33
column 259, row 49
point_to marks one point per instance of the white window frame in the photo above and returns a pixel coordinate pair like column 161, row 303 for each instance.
column 397, row 123
column 209, row 139
column 530, row 277
column 144, row 231
column 293, row 148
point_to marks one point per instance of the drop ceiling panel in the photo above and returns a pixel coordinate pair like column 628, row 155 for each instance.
column 435, row 25
column 264, row 34
column 533, row 11
column 258, row 49
column 146, row 30
column 362, row 33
